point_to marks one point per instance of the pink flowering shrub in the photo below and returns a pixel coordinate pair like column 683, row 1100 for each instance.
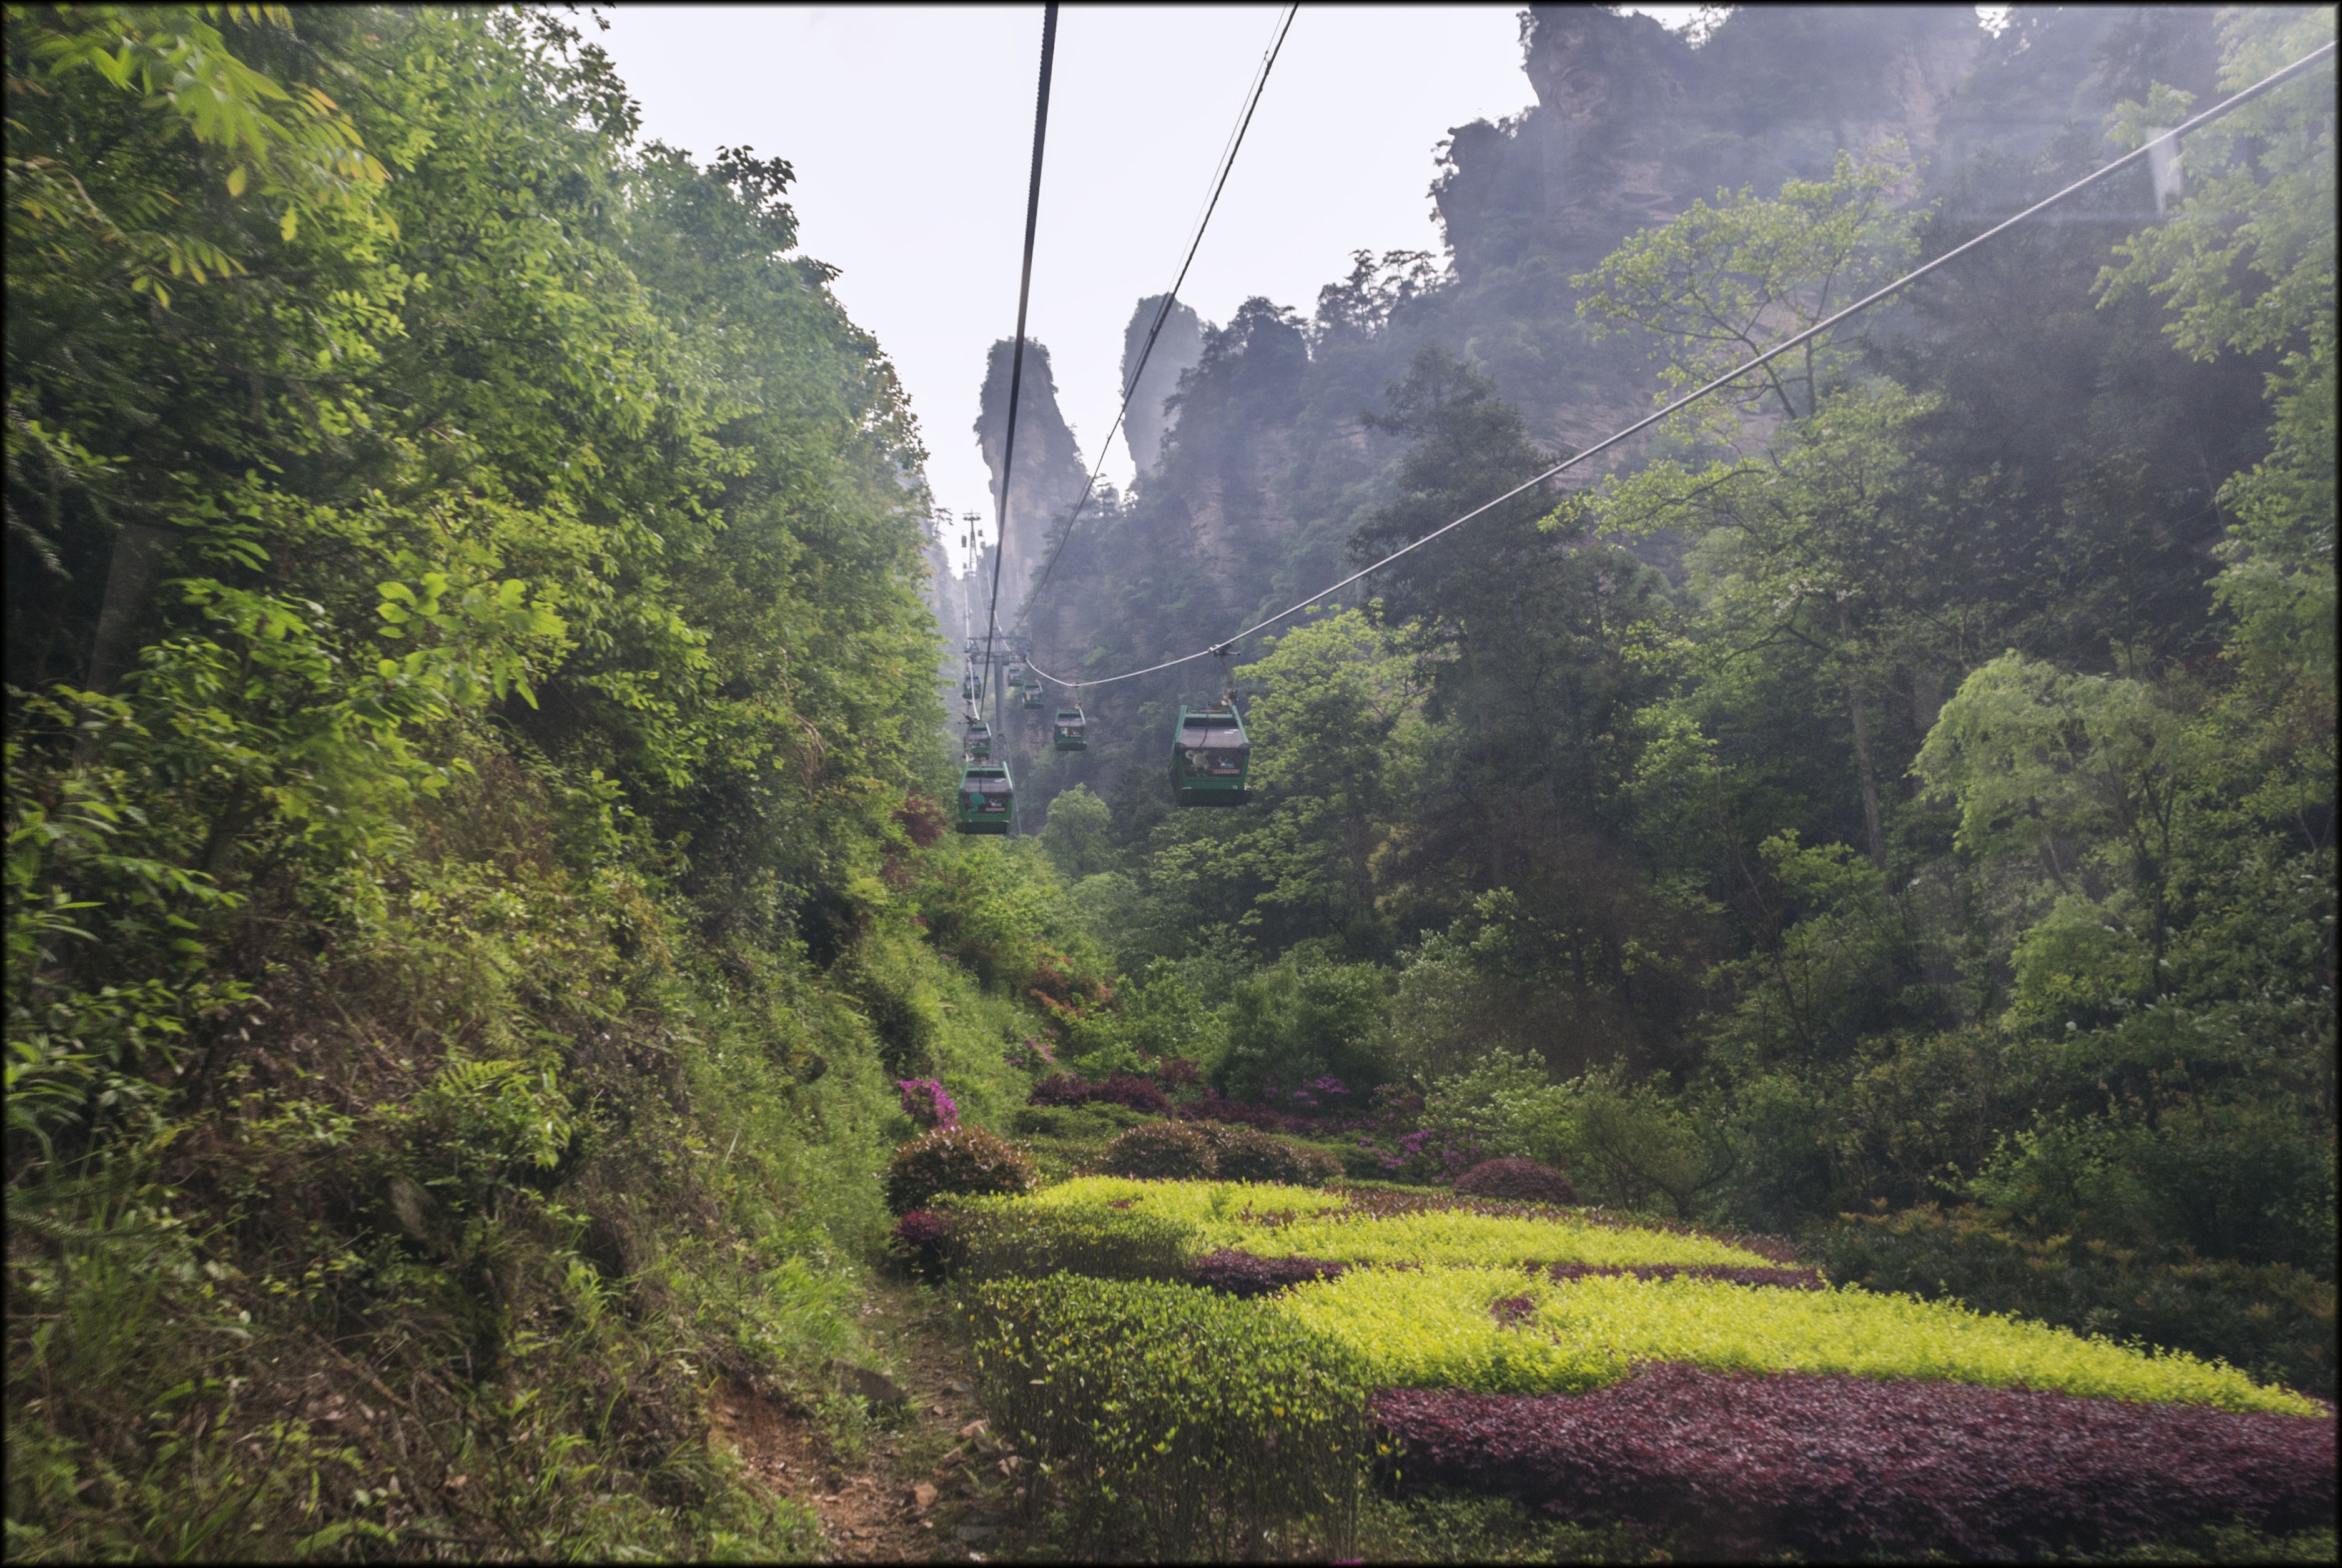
column 1839, row 1467
column 926, row 1101
column 922, row 1240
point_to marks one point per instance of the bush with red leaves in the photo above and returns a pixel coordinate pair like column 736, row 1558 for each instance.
column 1524, row 1181
column 1236, row 1273
column 1249, row 1154
column 1175, row 1073
column 965, row 1160
column 1213, row 1108
column 1122, row 1089
column 1831, row 1466
column 922, row 1240
column 921, row 819
column 1728, row 1273
column 1160, row 1152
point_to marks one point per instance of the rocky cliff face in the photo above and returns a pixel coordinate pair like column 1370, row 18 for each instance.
column 1178, row 347
column 1048, row 475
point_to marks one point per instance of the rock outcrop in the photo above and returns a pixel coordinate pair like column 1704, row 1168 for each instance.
column 1178, row 347
column 1048, row 475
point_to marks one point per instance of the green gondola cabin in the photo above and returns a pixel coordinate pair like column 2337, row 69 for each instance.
column 1032, row 698
column 1072, row 731
column 1211, row 758
column 978, row 746
column 987, row 798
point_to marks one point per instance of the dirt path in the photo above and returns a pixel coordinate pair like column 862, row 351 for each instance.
column 927, row 1483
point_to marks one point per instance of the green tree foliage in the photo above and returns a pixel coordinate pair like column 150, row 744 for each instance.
column 469, row 720
column 1907, row 783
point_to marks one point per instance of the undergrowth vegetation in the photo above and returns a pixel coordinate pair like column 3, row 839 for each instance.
column 472, row 883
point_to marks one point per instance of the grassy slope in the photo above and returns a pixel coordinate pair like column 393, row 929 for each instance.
column 344, row 1305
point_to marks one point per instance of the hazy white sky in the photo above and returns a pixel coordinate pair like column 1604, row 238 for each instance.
column 910, row 129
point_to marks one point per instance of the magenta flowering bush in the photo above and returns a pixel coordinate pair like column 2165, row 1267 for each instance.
column 922, row 1240
column 926, row 1101
column 1422, row 1155
column 1835, row 1467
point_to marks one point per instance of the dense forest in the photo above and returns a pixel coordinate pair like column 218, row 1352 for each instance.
column 1904, row 787
column 478, row 914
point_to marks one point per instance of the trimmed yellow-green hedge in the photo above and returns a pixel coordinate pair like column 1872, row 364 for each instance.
column 1270, row 1221
column 1500, row 1331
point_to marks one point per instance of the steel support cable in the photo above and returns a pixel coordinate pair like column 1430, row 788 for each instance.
column 1016, row 356
column 1227, row 166
column 2273, row 79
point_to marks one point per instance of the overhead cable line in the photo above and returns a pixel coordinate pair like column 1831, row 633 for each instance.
column 1219, row 183
column 1219, row 649
column 1016, row 356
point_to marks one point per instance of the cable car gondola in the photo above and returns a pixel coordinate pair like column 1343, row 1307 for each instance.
column 987, row 798
column 978, row 747
column 1211, row 757
column 1071, row 730
column 1032, row 698
column 1016, row 676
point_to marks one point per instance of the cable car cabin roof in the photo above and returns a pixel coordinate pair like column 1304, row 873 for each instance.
column 1069, row 715
column 1218, row 730
column 987, row 780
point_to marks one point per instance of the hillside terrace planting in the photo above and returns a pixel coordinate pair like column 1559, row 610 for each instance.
column 1600, row 1372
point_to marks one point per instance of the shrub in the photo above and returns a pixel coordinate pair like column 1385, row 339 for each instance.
column 1216, row 1107
column 921, row 1240
column 1495, row 1241
column 1297, row 1021
column 1179, row 1423
column 1777, row 1279
column 2273, row 1321
column 1834, row 1466
column 1382, row 1201
column 1176, row 1072
column 1160, row 1151
column 1234, row 1271
column 1121, row 1089
column 954, row 1161
column 926, row 1101
column 1431, row 1329
column 1525, row 1181
column 1001, row 1238
column 1245, row 1155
